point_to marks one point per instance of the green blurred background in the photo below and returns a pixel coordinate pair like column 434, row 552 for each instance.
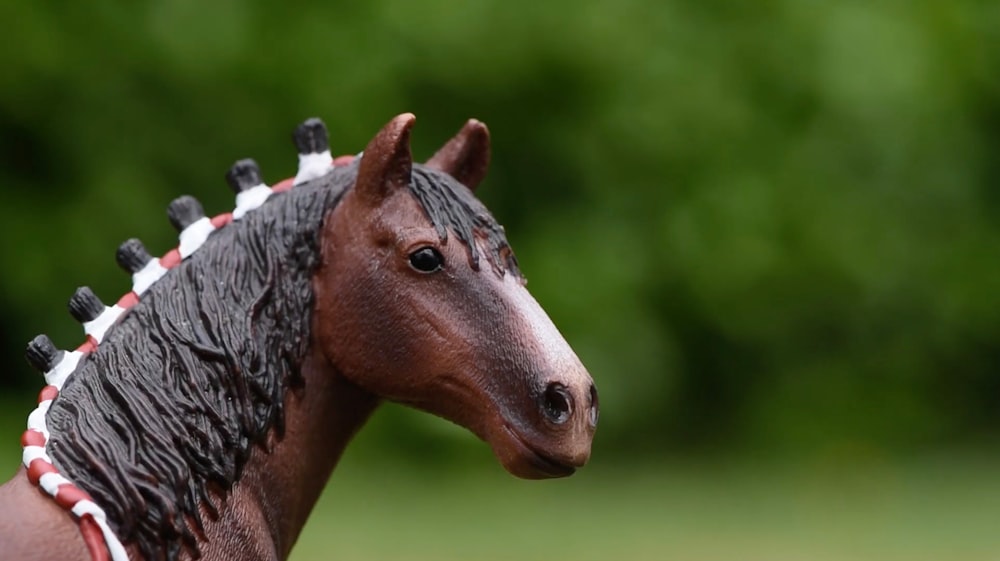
column 770, row 229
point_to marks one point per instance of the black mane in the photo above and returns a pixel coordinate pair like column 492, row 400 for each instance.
column 171, row 404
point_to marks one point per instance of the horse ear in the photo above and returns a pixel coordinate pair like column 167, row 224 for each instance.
column 387, row 162
column 466, row 157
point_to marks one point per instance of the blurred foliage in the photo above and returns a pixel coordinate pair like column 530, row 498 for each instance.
column 764, row 226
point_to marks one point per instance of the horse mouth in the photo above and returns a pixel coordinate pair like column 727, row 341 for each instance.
column 540, row 465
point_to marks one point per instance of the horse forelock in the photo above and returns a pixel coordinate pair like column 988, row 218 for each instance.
column 450, row 206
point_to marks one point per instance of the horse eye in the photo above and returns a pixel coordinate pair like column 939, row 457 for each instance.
column 426, row 260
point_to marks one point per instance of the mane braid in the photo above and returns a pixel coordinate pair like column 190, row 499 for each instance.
column 450, row 205
column 166, row 411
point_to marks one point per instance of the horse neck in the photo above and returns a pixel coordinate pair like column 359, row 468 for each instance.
column 268, row 507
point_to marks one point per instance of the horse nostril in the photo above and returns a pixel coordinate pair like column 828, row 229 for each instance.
column 557, row 403
column 595, row 409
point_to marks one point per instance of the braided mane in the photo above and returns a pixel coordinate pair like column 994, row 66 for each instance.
column 171, row 403
column 163, row 414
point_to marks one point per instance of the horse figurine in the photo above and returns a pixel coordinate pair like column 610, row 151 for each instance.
column 206, row 409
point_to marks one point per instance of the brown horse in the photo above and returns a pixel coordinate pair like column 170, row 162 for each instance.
column 208, row 407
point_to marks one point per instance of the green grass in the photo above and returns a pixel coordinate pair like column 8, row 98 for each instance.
column 846, row 510
column 921, row 510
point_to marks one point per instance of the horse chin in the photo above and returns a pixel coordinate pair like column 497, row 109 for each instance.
column 522, row 460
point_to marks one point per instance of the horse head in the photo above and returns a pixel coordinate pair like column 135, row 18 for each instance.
column 406, row 310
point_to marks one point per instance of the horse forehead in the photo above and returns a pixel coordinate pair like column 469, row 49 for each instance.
column 400, row 212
